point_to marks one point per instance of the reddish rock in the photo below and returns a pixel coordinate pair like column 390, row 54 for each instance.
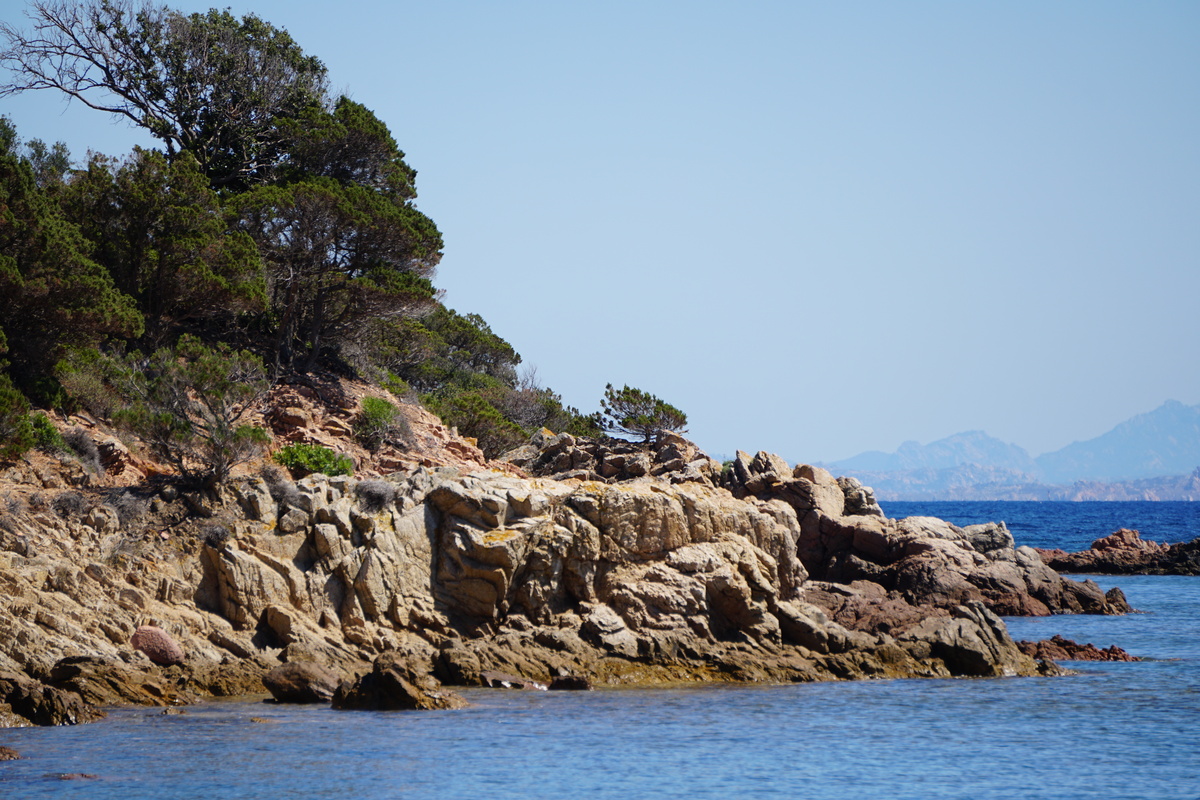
column 1059, row 648
column 158, row 645
column 8, row 754
column 1124, row 552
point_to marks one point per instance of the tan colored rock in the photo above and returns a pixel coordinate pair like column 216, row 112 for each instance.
column 301, row 682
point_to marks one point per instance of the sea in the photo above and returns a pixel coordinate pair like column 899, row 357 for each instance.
column 1111, row 730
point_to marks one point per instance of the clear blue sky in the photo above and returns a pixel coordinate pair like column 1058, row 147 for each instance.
column 818, row 228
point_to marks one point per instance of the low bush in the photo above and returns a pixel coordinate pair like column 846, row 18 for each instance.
column 396, row 385
column 374, row 496
column 13, row 504
column 214, row 535
column 474, row 416
column 280, row 485
column 304, row 459
column 45, row 436
column 70, row 505
column 84, row 446
column 379, row 423
column 130, row 508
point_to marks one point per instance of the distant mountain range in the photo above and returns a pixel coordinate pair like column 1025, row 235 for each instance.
column 1153, row 456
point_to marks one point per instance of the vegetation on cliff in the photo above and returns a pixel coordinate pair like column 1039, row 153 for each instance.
column 277, row 222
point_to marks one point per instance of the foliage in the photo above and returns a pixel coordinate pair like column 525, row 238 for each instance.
column 501, row 416
column 350, row 145
column 208, row 84
column 633, row 412
column 378, row 423
column 444, row 349
column 274, row 218
column 338, row 258
column 189, row 403
column 475, row 417
column 51, row 293
column 395, row 384
column 46, row 437
column 16, row 431
column 161, row 233
column 308, row 458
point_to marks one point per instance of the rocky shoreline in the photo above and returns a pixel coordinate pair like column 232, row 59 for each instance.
column 603, row 562
column 1124, row 552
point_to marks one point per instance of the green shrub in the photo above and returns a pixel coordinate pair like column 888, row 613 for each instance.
column 378, row 423
column 395, row 384
column 16, row 429
column 474, row 416
column 45, row 436
column 188, row 403
column 308, row 458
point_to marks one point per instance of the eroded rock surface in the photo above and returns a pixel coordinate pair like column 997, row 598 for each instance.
column 629, row 565
column 1124, row 552
column 1059, row 648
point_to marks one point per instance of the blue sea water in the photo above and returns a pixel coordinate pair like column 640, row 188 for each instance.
column 1068, row 525
column 1111, row 731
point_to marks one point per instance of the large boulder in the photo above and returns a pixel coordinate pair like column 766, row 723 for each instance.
column 301, row 682
column 158, row 645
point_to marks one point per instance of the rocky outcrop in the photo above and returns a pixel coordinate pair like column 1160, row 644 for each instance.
column 39, row 704
column 1124, row 552
column 1059, row 648
column 396, row 684
column 844, row 537
column 301, row 682
column 564, row 456
column 604, row 572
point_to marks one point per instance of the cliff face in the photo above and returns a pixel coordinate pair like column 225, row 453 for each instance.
column 682, row 573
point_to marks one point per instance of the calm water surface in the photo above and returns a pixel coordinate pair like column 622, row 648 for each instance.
column 1071, row 526
column 1112, row 731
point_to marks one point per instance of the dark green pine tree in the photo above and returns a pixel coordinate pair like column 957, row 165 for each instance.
column 51, row 292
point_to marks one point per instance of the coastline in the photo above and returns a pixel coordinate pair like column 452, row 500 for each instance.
column 667, row 568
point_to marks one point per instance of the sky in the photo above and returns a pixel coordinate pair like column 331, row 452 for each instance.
column 816, row 228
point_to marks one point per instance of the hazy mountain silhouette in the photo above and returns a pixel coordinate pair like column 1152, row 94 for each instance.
column 1165, row 441
column 1161, row 443
column 971, row 447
